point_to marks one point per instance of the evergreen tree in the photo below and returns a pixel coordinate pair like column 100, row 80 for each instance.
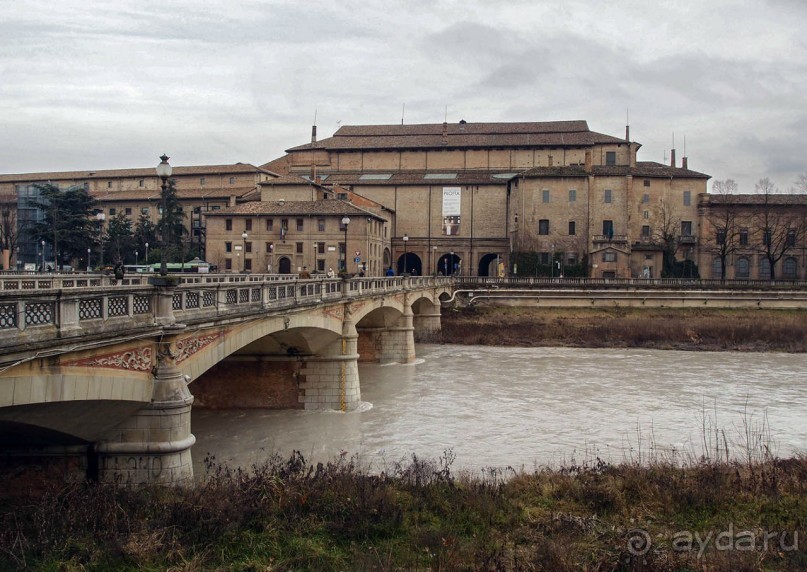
column 68, row 225
column 119, row 242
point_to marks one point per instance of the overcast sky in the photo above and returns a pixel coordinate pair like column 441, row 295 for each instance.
column 99, row 85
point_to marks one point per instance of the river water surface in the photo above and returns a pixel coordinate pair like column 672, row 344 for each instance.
column 527, row 407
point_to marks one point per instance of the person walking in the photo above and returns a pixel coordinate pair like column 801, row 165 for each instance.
column 119, row 271
column 390, row 271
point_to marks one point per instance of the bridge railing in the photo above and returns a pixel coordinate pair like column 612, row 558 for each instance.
column 628, row 283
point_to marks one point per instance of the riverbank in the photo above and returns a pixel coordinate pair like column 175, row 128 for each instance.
column 419, row 515
column 653, row 328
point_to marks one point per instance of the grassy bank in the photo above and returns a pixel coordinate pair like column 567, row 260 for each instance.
column 707, row 329
column 288, row 515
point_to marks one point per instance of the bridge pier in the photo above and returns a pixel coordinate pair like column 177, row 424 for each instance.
column 153, row 446
column 398, row 341
column 331, row 380
column 427, row 321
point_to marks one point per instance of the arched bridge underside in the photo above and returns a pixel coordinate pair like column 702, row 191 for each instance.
column 120, row 410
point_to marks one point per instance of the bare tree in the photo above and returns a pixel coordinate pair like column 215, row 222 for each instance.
column 9, row 234
column 667, row 233
column 780, row 226
column 724, row 237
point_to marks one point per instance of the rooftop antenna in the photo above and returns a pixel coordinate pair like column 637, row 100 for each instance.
column 403, row 112
column 445, row 118
column 627, row 125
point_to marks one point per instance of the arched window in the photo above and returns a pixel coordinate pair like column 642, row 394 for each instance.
column 764, row 268
column 742, row 268
column 789, row 268
column 717, row 269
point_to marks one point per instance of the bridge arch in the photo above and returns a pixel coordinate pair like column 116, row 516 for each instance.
column 284, row 265
column 487, row 265
column 410, row 263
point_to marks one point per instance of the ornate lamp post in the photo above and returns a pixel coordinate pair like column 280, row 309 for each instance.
column 271, row 257
column 43, row 255
column 345, row 222
column 434, row 260
column 244, row 237
column 89, row 266
column 405, row 260
column 451, row 264
column 147, row 253
column 163, row 171
column 101, row 217
column 136, row 253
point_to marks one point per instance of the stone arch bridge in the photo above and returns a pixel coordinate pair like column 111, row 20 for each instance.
column 96, row 373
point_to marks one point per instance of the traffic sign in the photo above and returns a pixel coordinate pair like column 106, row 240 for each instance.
column 358, row 253
column 357, row 260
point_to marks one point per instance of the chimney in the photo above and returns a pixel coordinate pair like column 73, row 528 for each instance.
column 684, row 163
column 672, row 158
column 313, row 134
column 445, row 133
column 587, row 167
column 550, row 161
column 232, row 201
column 627, row 133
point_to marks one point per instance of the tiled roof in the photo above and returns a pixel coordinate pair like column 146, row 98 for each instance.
column 332, row 207
column 418, row 178
column 647, row 169
column 281, row 165
column 287, row 180
column 125, row 173
column 462, row 135
column 186, row 194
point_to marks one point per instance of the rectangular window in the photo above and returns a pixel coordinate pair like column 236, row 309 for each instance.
column 607, row 196
column 645, row 198
column 320, row 248
column 545, row 196
column 228, row 224
column 299, row 225
column 790, row 241
column 766, row 237
column 112, row 211
column 86, row 186
column 646, row 214
column 248, row 224
column 141, row 182
column 744, row 237
column 572, row 227
column 647, row 182
column 128, row 211
column 228, row 247
column 269, row 224
column 544, row 258
column 341, row 249
column 215, row 208
column 144, row 210
column 609, row 256
column 284, row 226
column 543, row 226
column 608, row 228
column 686, row 228
column 687, row 198
column 248, row 246
column 610, row 158
column 247, row 264
column 228, row 264
column 321, row 224
column 646, row 230
column 232, row 180
column 341, row 226
column 320, row 265
column 109, row 184
column 202, row 181
column 270, row 247
column 572, row 195
column 299, row 247
column 721, row 237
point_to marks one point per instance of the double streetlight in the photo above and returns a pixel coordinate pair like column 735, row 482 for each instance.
column 163, row 171
column 345, row 222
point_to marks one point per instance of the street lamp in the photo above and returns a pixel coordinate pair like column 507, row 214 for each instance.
column 406, row 240
column 163, row 171
column 136, row 253
column 271, row 256
column 434, row 260
column 451, row 263
column 89, row 266
column 345, row 222
column 101, row 217
column 147, row 253
column 244, row 239
column 43, row 255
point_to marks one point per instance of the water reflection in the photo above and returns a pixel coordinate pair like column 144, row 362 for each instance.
column 531, row 406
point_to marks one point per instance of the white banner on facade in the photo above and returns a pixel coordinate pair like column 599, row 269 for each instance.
column 452, row 201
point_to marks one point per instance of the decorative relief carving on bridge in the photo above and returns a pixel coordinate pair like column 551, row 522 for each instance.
column 333, row 311
column 138, row 359
column 188, row 346
column 355, row 307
